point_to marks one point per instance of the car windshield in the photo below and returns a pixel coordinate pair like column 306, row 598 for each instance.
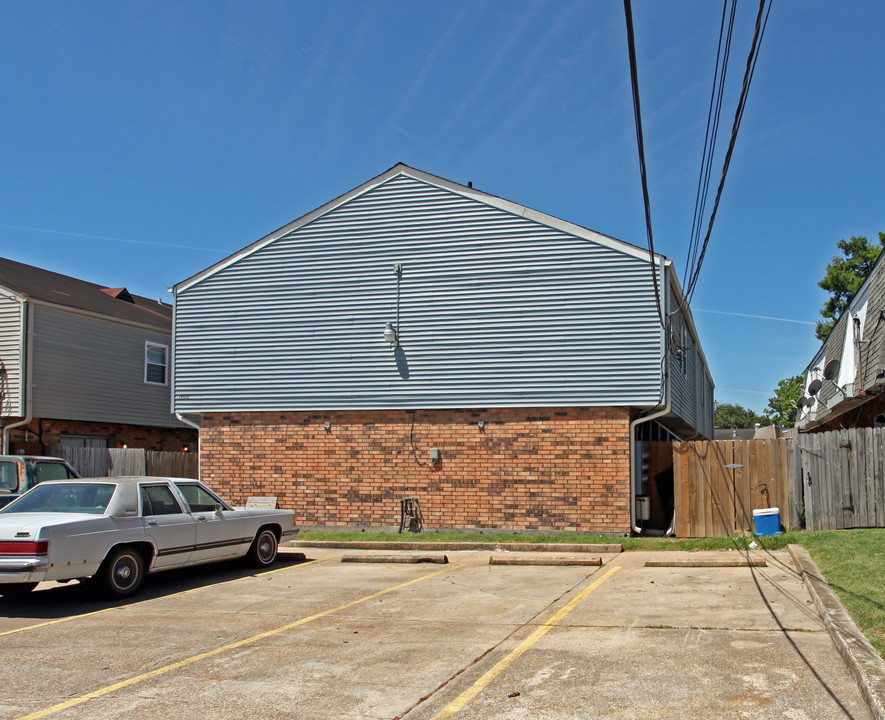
column 90, row 498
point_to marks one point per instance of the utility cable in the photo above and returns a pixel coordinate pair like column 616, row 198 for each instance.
column 720, row 71
column 739, row 112
column 634, row 81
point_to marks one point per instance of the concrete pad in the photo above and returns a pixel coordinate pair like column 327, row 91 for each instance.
column 324, row 640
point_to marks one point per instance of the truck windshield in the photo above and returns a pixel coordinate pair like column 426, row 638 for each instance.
column 90, row 498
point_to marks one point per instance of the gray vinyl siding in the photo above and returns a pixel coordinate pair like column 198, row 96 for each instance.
column 87, row 368
column 873, row 346
column 11, row 338
column 496, row 310
column 690, row 386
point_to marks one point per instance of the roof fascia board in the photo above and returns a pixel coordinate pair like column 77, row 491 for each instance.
column 12, row 294
column 98, row 316
column 294, row 225
column 463, row 190
column 530, row 214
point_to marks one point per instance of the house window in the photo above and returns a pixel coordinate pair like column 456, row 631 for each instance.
column 155, row 363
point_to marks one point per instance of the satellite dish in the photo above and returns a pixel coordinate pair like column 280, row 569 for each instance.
column 802, row 402
column 831, row 371
column 814, row 386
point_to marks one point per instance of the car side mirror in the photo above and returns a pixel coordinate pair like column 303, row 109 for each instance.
column 219, row 508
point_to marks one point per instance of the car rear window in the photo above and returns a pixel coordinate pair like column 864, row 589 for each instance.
column 8, row 475
column 89, row 498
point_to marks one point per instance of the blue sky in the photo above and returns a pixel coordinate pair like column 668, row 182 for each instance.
column 144, row 142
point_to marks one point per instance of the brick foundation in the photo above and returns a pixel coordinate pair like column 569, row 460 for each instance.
column 526, row 469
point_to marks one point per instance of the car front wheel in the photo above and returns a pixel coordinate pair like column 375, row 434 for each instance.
column 122, row 573
column 264, row 548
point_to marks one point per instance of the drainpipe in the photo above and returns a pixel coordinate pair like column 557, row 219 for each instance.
column 665, row 410
column 196, row 427
column 27, row 354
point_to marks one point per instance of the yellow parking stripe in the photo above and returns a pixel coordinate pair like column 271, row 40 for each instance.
column 140, row 602
column 480, row 685
column 223, row 649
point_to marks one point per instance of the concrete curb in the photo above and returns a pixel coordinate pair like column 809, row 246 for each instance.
column 451, row 546
column 864, row 663
column 416, row 559
column 563, row 562
column 708, row 563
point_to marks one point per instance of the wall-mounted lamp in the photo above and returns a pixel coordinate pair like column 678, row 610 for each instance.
column 480, row 424
column 390, row 335
column 327, row 425
column 185, row 448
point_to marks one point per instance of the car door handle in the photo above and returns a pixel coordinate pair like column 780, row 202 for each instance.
column 201, row 518
column 152, row 522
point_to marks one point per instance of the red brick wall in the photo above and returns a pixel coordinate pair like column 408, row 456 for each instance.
column 48, row 432
column 533, row 469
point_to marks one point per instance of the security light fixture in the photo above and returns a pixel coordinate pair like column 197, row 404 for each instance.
column 390, row 335
column 327, row 425
column 480, row 424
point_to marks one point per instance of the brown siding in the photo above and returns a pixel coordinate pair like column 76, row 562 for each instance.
column 527, row 469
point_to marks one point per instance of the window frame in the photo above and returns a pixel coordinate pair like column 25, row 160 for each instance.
column 149, row 345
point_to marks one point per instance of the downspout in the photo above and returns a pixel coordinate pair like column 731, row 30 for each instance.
column 178, row 415
column 665, row 410
column 199, row 442
column 27, row 346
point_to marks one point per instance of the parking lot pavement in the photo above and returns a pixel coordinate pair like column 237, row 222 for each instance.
column 326, row 639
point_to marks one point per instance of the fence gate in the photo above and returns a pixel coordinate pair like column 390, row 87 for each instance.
column 718, row 484
column 842, row 478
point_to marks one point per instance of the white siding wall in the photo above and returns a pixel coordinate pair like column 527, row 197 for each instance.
column 11, row 337
column 90, row 369
column 495, row 310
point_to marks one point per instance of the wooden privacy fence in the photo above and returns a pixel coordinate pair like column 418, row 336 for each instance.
column 713, row 498
column 104, row 462
column 842, row 482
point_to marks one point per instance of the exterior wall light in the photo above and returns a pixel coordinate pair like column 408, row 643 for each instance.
column 480, row 424
column 390, row 335
column 327, row 425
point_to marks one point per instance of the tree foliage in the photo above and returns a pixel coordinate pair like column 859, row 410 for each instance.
column 782, row 407
column 844, row 277
column 730, row 415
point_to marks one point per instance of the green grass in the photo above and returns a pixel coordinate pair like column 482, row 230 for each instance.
column 851, row 561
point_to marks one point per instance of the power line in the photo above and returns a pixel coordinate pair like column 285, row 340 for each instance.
column 634, row 81
column 739, row 113
column 723, row 52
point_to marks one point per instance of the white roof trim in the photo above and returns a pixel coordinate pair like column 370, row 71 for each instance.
column 463, row 190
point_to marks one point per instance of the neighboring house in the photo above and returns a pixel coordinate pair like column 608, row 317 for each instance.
column 417, row 338
column 83, row 366
column 844, row 385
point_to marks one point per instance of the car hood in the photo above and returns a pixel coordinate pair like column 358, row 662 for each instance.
column 12, row 523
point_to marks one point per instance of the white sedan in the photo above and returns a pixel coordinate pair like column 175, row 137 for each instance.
column 117, row 529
